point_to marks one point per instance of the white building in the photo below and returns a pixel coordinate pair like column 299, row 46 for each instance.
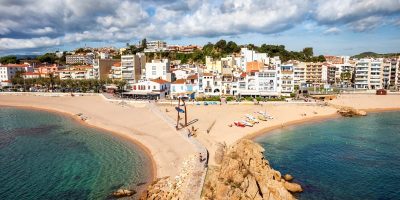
column 131, row 68
column 86, row 59
column 156, row 46
column 150, row 89
column 287, row 78
column 247, row 55
column 181, row 73
column 266, row 83
column 158, row 69
column 299, row 73
column 369, row 74
column 7, row 72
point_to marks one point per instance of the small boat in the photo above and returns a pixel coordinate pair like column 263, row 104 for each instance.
column 239, row 124
column 250, row 121
column 252, row 118
column 262, row 118
column 265, row 114
column 247, row 123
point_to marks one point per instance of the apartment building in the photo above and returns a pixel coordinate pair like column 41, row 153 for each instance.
column 287, row 79
column 76, row 72
column 156, row 46
column 85, row 59
column 131, row 68
column 102, row 67
column 316, row 74
column 158, row 69
column 185, row 87
column 369, row 74
column 266, row 83
column 7, row 72
column 247, row 56
column 299, row 73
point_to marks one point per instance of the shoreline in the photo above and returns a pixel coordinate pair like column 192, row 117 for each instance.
column 120, row 136
column 268, row 130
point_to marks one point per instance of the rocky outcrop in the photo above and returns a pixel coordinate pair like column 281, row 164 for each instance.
column 123, row 193
column 350, row 112
column 178, row 187
column 245, row 174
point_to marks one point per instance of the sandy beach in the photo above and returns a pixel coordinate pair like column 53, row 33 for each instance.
column 166, row 147
column 136, row 124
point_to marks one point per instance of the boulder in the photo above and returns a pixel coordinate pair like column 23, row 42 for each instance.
column 288, row 177
column 293, row 187
column 123, row 193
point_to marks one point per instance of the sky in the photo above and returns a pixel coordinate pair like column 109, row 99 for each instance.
column 331, row 27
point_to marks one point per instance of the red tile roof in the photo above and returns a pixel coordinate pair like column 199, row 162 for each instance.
column 31, row 73
column 243, row 75
column 117, row 64
column 179, row 81
column 15, row 65
column 159, row 81
column 207, row 74
column 194, row 76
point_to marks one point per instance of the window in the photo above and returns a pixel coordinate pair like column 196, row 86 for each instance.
column 154, row 68
column 154, row 72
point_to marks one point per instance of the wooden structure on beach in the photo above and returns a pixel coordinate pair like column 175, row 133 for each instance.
column 180, row 110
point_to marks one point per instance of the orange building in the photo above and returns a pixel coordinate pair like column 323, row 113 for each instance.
column 254, row 66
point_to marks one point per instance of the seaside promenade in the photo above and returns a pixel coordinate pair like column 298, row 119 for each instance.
column 148, row 125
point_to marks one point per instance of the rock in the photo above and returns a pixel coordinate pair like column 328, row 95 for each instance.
column 288, row 177
column 123, row 193
column 350, row 112
column 293, row 187
column 244, row 174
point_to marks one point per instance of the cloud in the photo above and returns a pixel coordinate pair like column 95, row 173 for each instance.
column 332, row 31
column 70, row 21
column 366, row 24
column 10, row 43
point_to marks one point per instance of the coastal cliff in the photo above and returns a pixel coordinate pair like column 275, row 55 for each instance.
column 245, row 174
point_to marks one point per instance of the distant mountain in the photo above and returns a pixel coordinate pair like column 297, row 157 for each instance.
column 376, row 55
column 21, row 57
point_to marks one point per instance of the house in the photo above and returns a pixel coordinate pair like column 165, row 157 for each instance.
column 150, row 89
column 79, row 72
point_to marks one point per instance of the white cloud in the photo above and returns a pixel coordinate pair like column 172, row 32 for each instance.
column 69, row 21
column 332, row 31
column 10, row 43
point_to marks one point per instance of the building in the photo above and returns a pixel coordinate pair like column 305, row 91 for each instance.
column 369, row 74
column 287, row 79
column 316, row 74
column 155, row 46
column 247, row 55
column 150, row 89
column 131, row 68
column 79, row 72
column 299, row 73
column 84, row 59
column 102, row 67
column 334, row 59
column 158, row 69
column 265, row 83
column 8, row 72
column 185, row 88
column 254, row 66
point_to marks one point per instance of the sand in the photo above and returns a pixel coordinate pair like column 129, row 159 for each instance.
column 167, row 147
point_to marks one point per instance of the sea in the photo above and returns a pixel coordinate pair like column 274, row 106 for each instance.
column 343, row 158
column 45, row 155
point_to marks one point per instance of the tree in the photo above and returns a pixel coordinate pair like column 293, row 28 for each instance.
column 308, row 52
column 8, row 59
column 220, row 45
column 48, row 58
column 231, row 47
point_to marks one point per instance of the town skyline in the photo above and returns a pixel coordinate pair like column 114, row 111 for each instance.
column 331, row 28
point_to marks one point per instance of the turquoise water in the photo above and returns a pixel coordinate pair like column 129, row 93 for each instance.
column 345, row 158
column 50, row 156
